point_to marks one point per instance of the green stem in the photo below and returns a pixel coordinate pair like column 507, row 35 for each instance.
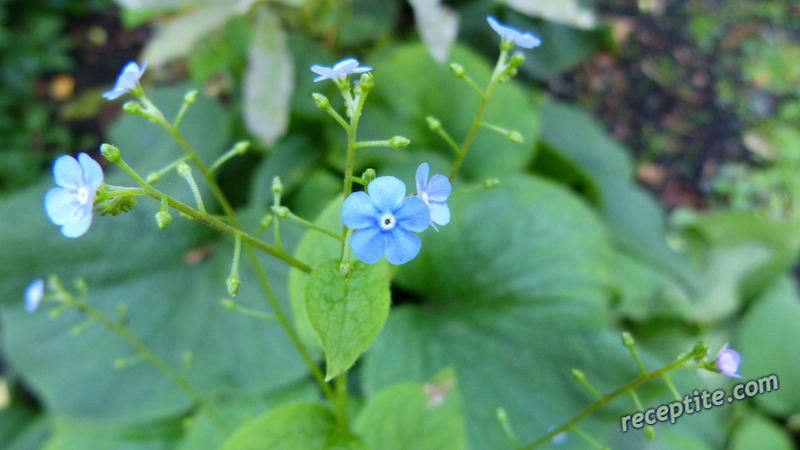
column 237, row 149
column 153, row 359
column 607, row 398
column 590, row 440
column 384, row 143
column 340, row 383
column 462, row 153
column 231, row 305
column 473, row 84
column 446, row 137
column 154, row 177
column 292, row 217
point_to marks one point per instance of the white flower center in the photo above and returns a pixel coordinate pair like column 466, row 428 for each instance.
column 83, row 195
column 387, row 222
column 424, row 197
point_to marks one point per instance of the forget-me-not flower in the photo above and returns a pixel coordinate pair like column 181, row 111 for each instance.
column 385, row 222
column 71, row 204
column 339, row 71
column 524, row 40
column 126, row 80
column 434, row 193
column 33, row 295
column 727, row 362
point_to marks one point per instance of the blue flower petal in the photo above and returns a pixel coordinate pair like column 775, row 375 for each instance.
column 61, row 205
column 359, row 211
column 439, row 188
column 92, row 172
column 440, row 213
column 361, row 69
column 413, row 215
column 528, row 40
column 80, row 224
column 345, row 66
column 368, row 244
column 387, row 193
column 33, row 295
column 126, row 80
column 402, row 245
column 67, row 172
column 422, row 177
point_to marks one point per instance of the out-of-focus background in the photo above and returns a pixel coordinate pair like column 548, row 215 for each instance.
column 662, row 145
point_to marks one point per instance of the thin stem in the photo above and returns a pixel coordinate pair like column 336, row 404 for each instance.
column 153, row 359
column 671, row 386
column 238, row 149
column 178, row 118
column 607, row 398
column 187, row 175
column 338, row 118
column 383, row 143
column 473, row 84
column 494, row 127
column 154, row 177
column 446, row 137
column 340, row 383
column 231, row 305
column 291, row 216
column 587, row 438
column 462, row 153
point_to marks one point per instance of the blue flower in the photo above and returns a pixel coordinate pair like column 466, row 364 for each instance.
column 524, row 40
column 70, row 205
column 385, row 222
column 126, row 80
column 339, row 71
column 33, row 295
column 434, row 194
column 727, row 362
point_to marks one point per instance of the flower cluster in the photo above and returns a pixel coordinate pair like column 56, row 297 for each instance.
column 385, row 219
column 70, row 205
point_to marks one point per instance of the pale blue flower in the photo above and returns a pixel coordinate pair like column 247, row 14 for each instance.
column 524, row 40
column 126, row 80
column 727, row 362
column 70, row 205
column 339, row 71
column 434, row 193
column 385, row 222
column 33, row 295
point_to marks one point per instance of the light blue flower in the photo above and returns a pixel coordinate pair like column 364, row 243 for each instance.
column 385, row 222
column 33, row 295
column 70, row 205
column 727, row 362
column 524, row 40
column 339, row 71
column 434, row 193
column 126, row 80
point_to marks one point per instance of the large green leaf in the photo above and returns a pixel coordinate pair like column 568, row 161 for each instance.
column 347, row 314
column 767, row 339
column 171, row 281
column 756, row 431
column 512, row 295
column 291, row 427
column 414, row 415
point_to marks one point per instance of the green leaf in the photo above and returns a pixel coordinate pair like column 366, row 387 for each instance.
column 347, row 315
column 171, row 282
column 78, row 435
column 756, row 431
column 314, row 249
column 512, row 294
column 269, row 80
column 766, row 339
column 414, row 415
column 290, row 427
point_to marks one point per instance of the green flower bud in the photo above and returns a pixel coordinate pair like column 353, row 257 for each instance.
column 321, row 101
column 110, row 152
column 184, row 170
column 241, row 147
column 490, row 183
column 516, row 137
column 399, row 142
column 277, row 186
column 132, row 107
column 650, row 433
column 458, row 70
column 266, row 221
column 517, row 59
column 580, row 377
column 345, row 270
column 433, row 124
column 190, row 97
column 233, row 283
column 627, row 340
column 153, row 177
column 228, row 304
column 367, row 82
column 163, row 219
column 368, row 176
column 280, row 211
column 116, row 205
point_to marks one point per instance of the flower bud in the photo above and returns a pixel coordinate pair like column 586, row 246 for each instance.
column 133, row 108
column 190, row 97
column 368, row 176
column 627, row 340
column 233, row 283
column 241, row 147
column 280, row 211
column 517, row 59
column 163, row 219
column 650, row 433
column 367, row 82
column 399, row 142
column 458, row 70
column 433, row 124
column 116, row 205
column 490, row 183
column 153, row 177
column 580, row 377
column 110, row 152
column 228, row 304
column 266, row 221
column 277, row 186
column 184, row 170
column 345, row 270
column 515, row 136
column 321, row 101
